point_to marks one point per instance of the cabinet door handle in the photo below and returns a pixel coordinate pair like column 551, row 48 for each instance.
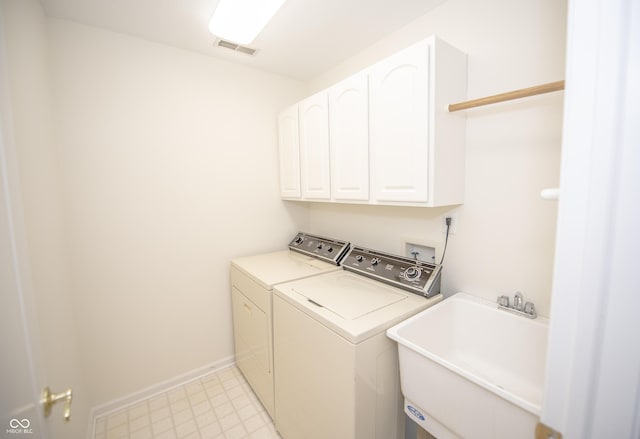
column 247, row 307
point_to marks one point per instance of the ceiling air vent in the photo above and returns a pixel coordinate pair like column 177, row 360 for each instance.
column 235, row 47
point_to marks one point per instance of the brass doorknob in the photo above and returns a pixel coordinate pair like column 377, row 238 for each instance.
column 49, row 399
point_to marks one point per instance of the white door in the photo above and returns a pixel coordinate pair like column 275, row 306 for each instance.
column 20, row 386
column 22, row 370
column 314, row 147
column 349, row 139
column 399, row 125
column 289, row 153
column 592, row 387
column 20, row 381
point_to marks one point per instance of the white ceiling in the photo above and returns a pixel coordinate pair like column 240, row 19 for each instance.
column 304, row 39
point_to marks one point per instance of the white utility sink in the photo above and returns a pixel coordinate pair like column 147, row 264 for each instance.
column 470, row 370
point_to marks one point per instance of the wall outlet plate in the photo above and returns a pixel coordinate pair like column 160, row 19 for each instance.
column 454, row 223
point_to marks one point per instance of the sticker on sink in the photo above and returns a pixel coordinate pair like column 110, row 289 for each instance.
column 415, row 412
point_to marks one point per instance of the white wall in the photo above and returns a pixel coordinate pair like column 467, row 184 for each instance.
column 30, row 112
column 505, row 234
column 169, row 164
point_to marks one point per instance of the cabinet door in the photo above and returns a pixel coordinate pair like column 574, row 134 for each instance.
column 349, row 139
column 314, row 148
column 289, row 153
column 399, row 133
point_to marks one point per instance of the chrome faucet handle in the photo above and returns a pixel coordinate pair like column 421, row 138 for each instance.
column 529, row 308
column 517, row 301
column 503, row 301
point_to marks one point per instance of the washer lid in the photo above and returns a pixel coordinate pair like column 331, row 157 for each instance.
column 353, row 306
column 347, row 297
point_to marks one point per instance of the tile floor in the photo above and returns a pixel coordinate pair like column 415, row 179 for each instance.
column 220, row 405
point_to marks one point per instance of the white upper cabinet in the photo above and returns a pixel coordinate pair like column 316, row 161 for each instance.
column 384, row 135
column 416, row 146
column 314, row 148
column 399, row 111
column 349, row 139
column 289, row 153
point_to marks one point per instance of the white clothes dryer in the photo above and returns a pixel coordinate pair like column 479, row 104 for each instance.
column 336, row 371
column 252, row 282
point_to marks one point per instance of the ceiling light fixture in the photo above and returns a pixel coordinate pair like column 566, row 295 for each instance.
column 242, row 20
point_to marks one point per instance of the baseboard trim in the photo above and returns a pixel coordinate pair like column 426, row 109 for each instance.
column 151, row 391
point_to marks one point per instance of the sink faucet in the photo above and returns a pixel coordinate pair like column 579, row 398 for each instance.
column 527, row 310
column 517, row 301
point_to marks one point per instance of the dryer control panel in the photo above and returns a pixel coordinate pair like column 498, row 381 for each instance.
column 409, row 274
column 327, row 249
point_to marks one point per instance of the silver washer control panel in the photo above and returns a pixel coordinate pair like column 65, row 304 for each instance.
column 416, row 276
column 327, row 249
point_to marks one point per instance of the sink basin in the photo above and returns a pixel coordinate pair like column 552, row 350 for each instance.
column 470, row 370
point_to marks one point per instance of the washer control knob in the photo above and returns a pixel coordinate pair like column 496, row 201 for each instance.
column 320, row 246
column 412, row 273
column 375, row 261
column 298, row 240
column 330, row 249
column 359, row 258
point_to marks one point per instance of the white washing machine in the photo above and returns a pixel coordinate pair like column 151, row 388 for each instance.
column 336, row 372
column 252, row 282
